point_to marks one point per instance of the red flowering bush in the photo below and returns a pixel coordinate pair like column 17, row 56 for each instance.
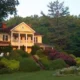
column 68, row 59
column 53, row 54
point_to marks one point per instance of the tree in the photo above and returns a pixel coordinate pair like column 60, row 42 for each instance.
column 14, row 21
column 7, row 7
column 57, row 9
column 74, row 44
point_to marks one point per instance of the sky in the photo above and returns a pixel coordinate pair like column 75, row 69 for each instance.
column 32, row 7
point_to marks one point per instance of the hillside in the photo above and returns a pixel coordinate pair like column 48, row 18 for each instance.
column 63, row 33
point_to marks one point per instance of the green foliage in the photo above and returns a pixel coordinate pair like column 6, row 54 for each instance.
column 23, row 48
column 18, row 54
column 28, row 65
column 72, row 56
column 14, row 55
column 2, row 65
column 4, row 71
column 46, row 62
column 77, row 61
column 22, row 53
column 57, row 64
column 6, row 49
column 74, row 48
column 64, row 37
column 40, row 53
column 34, row 49
column 8, row 65
column 7, row 7
column 14, row 21
column 69, row 70
column 57, row 9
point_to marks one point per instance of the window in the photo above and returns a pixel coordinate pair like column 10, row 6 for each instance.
column 35, row 39
column 29, row 37
column 5, row 37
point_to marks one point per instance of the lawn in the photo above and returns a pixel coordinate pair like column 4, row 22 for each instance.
column 40, row 75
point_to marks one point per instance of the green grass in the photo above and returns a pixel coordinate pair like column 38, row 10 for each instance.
column 40, row 75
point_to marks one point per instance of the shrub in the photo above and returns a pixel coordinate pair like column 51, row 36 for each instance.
column 23, row 48
column 34, row 49
column 4, row 71
column 9, row 65
column 40, row 53
column 69, row 70
column 6, row 49
column 13, row 65
column 57, row 64
column 50, row 52
column 28, row 65
column 46, row 62
column 53, row 54
column 22, row 53
column 1, row 65
column 77, row 61
column 68, row 59
column 3, row 68
column 72, row 56
column 18, row 54
column 14, row 55
column 78, row 69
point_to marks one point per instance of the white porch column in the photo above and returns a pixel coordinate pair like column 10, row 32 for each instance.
column 26, row 42
column 19, row 41
column 33, row 39
column 11, row 37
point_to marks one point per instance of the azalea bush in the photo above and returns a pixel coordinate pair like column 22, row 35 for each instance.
column 53, row 54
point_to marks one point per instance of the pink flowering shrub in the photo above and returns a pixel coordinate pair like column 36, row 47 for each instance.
column 54, row 54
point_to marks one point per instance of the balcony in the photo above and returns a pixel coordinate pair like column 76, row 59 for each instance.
column 19, row 39
column 22, row 42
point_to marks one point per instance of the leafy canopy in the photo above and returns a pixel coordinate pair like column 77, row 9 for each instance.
column 57, row 9
column 7, row 7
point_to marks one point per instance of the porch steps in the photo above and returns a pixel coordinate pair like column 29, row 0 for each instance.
column 38, row 62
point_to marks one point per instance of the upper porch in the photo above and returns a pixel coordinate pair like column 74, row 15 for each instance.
column 18, row 38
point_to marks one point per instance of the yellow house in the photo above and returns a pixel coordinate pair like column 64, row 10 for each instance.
column 20, row 35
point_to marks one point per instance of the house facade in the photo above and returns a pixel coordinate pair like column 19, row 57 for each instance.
column 20, row 35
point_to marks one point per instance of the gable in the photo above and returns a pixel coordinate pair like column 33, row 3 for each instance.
column 23, row 27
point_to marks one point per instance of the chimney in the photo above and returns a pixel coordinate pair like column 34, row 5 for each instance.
column 3, row 25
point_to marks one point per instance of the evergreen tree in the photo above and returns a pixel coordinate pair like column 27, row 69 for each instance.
column 57, row 9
